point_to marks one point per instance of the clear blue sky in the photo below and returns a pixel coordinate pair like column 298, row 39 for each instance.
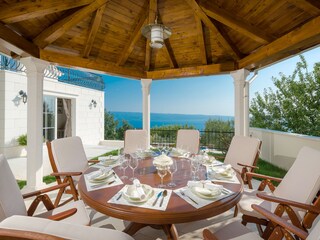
column 213, row 95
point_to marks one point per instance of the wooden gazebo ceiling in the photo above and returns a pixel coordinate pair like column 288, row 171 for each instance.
column 208, row 37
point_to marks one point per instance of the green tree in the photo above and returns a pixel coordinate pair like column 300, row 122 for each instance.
column 218, row 134
column 110, row 126
column 294, row 106
column 121, row 130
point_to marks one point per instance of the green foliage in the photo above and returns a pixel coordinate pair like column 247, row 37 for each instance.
column 218, row 134
column 110, row 126
column 46, row 179
column 22, row 140
column 293, row 106
column 121, row 130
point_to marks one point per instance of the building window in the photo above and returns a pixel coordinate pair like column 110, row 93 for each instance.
column 49, row 117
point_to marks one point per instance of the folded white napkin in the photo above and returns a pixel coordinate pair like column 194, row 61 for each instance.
column 162, row 160
column 139, row 189
column 99, row 173
column 204, row 184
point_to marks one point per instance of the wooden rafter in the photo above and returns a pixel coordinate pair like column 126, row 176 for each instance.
column 170, row 56
column 306, row 32
column 200, row 13
column 192, row 71
column 96, row 21
column 16, row 43
column 103, row 66
column 56, row 30
column 25, row 10
column 153, row 6
column 235, row 23
column 306, row 6
column 135, row 36
column 201, row 42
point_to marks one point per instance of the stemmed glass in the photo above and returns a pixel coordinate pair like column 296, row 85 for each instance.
column 162, row 171
column 133, row 164
column 194, row 164
column 124, row 163
column 172, row 169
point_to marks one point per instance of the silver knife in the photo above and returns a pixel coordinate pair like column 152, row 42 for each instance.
column 156, row 200
column 101, row 184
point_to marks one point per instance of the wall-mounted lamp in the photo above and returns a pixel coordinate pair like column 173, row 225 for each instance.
column 93, row 103
column 23, row 96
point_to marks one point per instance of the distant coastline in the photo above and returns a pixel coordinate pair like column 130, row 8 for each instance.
column 163, row 119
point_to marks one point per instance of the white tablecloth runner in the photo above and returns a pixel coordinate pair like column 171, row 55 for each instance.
column 201, row 202
column 148, row 203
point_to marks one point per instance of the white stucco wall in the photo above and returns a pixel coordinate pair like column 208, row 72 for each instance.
column 88, row 122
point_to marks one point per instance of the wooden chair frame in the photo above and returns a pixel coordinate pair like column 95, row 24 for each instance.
column 12, row 234
column 284, row 206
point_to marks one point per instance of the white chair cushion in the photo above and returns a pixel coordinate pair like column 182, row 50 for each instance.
column 315, row 232
column 135, row 139
column 188, row 139
column 235, row 231
column 11, row 201
column 69, row 154
column 61, row 229
column 80, row 217
column 242, row 150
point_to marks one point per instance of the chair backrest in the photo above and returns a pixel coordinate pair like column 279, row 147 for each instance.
column 188, row 139
column 135, row 139
column 243, row 150
column 302, row 181
column 69, row 155
column 11, row 201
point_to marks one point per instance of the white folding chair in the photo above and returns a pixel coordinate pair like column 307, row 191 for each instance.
column 189, row 140
column 134, row 140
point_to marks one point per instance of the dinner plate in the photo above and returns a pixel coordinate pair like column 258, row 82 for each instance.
column 147, row 189
column 224, row 175
column 102, row 177
column 206, row 193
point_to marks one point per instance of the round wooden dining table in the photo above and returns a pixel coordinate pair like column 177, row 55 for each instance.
column 178, row 210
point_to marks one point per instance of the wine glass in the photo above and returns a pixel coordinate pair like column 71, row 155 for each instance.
column 133, row 164
column 124, row 163
column 172, row 169
column 162, row 171
column 194, row 164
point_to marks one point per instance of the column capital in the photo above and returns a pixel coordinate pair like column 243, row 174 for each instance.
column 240, row 75
column 146, row 83
column 34, row 64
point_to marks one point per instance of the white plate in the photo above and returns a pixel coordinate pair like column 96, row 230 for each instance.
column 206, row 193
column 102, row 177
column 147, row 189
column 224, row 175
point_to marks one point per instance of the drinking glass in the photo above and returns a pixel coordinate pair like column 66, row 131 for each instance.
column 124, row 163
column 133, row 164
column 162, row 171
column 194, row 164
column 172, row 169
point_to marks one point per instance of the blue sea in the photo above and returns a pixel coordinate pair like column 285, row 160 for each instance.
column 163, row 119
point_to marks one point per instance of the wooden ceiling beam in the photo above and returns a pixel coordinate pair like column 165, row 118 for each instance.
column 202, row 47
column 287, row 42
column 200, row 13
column 192, row 71
column 56, row 30
column 307, row 6
column 235, row 23
column 170, row 56
column 29, row 9
column 102, row 66
column 153, row 8
column 96, row 21
column 142, row 19
column 16, row 43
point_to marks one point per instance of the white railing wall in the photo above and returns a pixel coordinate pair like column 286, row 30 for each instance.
column 281, row 148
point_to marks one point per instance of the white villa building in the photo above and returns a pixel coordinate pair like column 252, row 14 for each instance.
column 73, row 104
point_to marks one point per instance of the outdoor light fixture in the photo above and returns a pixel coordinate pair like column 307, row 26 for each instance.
column 93, row 103
column 23, row 96
column 156, row 33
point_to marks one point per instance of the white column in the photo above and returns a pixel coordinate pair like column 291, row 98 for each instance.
column 35, row 74
column 246, row 108
column 239, row 78
column 145, row 86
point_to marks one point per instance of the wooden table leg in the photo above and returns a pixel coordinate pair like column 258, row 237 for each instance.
column 171, row 231
column 133, row 227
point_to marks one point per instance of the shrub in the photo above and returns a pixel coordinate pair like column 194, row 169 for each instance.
column 22, row 140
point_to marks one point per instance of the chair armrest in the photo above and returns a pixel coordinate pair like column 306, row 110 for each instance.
column 280, row 221
column 207, row 235
column 275, row 199
column 93, row 161
column 45, row 190
column 63, row 215
column 251, row 174
column 59, row 174
column 248, row 166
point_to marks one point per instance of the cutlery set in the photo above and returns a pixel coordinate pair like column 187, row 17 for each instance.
column 162, row 194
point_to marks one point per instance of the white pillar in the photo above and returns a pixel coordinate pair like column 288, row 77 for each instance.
column 145, row 86
column 35, row 74
column 239, row 78
column 246, row 108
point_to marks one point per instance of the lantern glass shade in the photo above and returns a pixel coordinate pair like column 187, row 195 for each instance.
column 156, row 40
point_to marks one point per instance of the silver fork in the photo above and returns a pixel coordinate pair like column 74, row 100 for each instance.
column 183, row 194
